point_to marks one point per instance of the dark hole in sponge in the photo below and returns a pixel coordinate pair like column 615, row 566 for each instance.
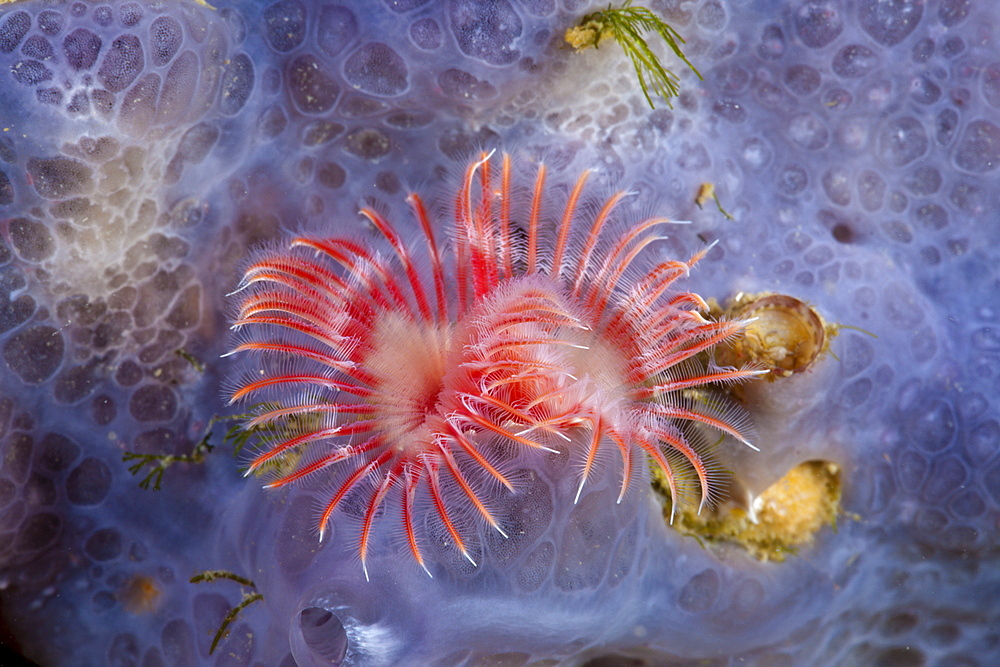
column 323, row 635
column 843, row 233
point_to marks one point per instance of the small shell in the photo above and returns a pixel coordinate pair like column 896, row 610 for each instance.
column 787, row 335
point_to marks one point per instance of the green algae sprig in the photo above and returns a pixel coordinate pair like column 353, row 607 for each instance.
column 248, row 590
column 626, row 25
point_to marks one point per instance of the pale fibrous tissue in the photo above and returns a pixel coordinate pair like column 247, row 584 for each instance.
column 455, row 294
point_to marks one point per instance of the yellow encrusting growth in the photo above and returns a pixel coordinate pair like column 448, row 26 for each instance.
column 788, row 514
column 140, row 595
column 588, row 34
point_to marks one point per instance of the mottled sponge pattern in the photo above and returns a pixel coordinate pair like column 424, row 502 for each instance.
column 147, row 147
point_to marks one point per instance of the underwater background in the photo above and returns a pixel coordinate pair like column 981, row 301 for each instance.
column 147, row 148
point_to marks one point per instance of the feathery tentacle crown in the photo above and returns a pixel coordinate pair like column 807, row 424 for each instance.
column 411, row 375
